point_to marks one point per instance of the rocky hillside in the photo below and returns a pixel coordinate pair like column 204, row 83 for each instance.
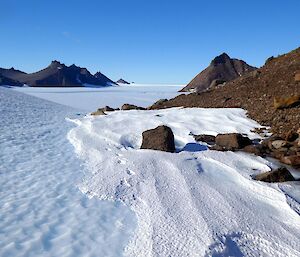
column 221, row 69
column 278, row 81
column 4, row 81
column 57, row 75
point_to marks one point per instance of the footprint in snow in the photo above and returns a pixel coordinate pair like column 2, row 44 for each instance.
column 130, row 172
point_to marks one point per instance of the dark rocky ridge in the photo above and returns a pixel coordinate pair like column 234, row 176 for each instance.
column 122, row 81
column 255, row 92
column 4, row 81
column 57, row 75
column 221, row 69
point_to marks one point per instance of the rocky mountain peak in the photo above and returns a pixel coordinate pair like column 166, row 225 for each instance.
column 223, row 58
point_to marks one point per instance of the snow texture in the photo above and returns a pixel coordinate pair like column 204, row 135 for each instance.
column 195, row 202
column 42, row 211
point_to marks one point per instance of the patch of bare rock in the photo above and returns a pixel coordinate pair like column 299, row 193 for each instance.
column 279, row 175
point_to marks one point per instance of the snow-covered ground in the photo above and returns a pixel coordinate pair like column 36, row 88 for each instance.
column 42, row 212
column 193, row 202
column 92, row 98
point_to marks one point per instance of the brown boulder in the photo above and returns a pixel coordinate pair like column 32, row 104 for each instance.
column 232, row 141
column 127, row 107
column 209, row 139
column 297, row 77
column 259, row 150
column 160, row 138
column 98, row 112
column 280, row 175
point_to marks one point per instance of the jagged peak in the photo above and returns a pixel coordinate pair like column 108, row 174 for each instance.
column 56, row 63
column 222, row 58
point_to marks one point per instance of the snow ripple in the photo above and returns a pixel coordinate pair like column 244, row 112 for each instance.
column 192, row 203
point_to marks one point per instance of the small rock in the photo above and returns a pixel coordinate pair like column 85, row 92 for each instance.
column 280, row 175
column 98, row 112
column 293, row 160
column 268, row 141
column 160, row 101
column 278, row 144
column 160, row 138
column 232, row 141
column 259, row 150
column 127, row 107
column 209, row 139
column 297, row 77
column 291, row 136
column 108, row 109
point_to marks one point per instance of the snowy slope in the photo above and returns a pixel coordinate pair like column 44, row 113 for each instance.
column 91, row 99
column 42, row 211
column 190, row 203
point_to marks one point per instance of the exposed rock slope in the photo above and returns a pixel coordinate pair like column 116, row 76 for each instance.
column 255, row 92
column 221, row 69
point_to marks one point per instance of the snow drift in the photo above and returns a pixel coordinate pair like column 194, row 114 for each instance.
column 193, row 202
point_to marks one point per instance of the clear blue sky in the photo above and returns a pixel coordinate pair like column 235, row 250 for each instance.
column 145, row 41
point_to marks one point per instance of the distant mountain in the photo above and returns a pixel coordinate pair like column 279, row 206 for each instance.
column 4, row 81
column 58, row 75
column 122, row 81
column 221, row 69
column 101, row 77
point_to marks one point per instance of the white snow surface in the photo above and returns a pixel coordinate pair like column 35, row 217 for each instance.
column 194, row 202
column 42, row 212
column 91, row 98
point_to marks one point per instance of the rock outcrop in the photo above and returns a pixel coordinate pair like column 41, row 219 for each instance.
column 160, row 138
column 232, row 141
column 255, row 92
column 127, row 107
column 279, row 175
column 222, row 69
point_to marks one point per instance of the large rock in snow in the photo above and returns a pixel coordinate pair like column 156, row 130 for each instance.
column 160, row 138
column 127, row 107
column 221, row 69
column 280, row 175
column 232, row 141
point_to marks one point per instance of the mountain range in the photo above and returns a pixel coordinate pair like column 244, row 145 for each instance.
column 221, row 69
column 55, row 75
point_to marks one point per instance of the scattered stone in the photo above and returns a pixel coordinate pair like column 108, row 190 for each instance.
column 259, row 150
column 209, row 139
column 268, row 141
column 293, row 160
column 232, row 141
column 160, row 138
column 280, row 175
column 291, row 136
column 286, row 102
column 98, row 112
column 278, row 144
column 127, row 107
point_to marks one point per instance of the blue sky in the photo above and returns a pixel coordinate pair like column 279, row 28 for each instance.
column 144, row 41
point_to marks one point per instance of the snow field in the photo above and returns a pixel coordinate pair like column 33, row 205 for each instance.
column 190, row 203
column 42, row 211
